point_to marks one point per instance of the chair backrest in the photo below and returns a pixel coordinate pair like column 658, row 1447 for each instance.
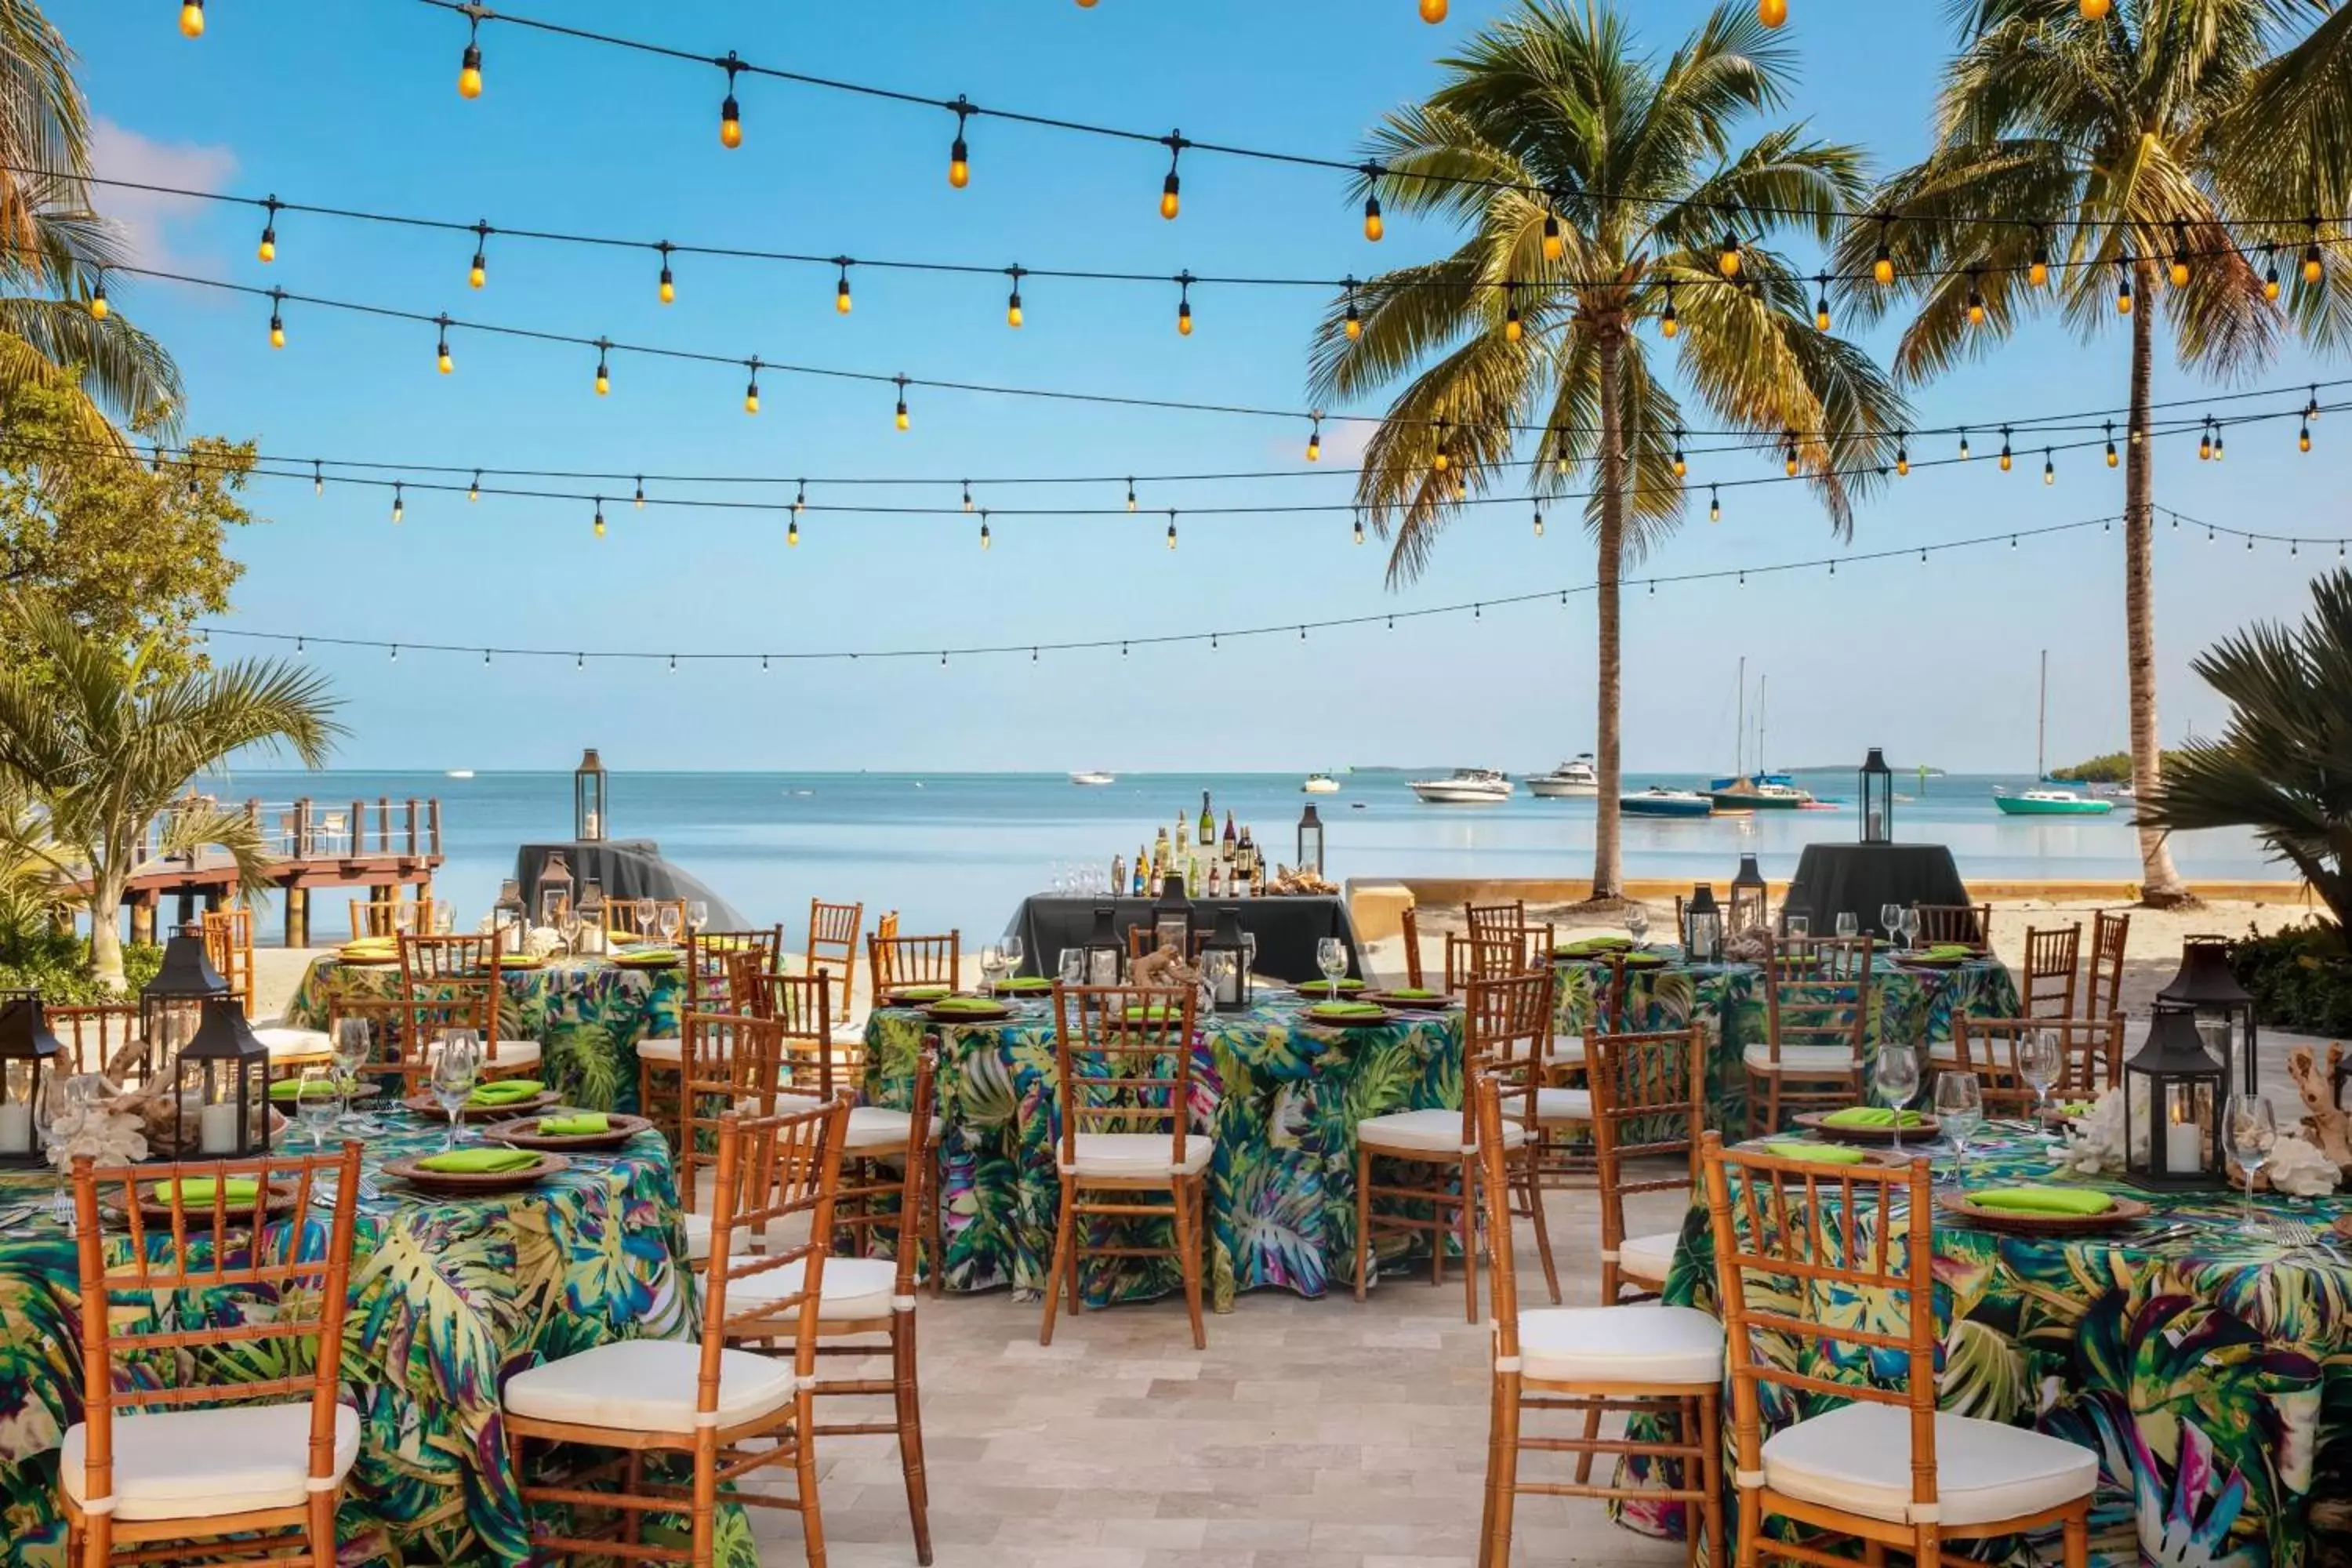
column 456, row 981
column 727, row 1064
column 402, row 1030
column 641, row 918
column 801, row 1006
column 431, row 960
column 1516, row 951
column 1826, row 1005
column 286, row 1284
column 710, row 963
column 1483, row 1112
column 2109, row 934
column 772, row 1170
column 1412, row 924
column 2090, row 1056
column 1123, row 1061
column 915, row 961
column 1506, row 1033
column 833, row 939
column 886, row 930
column 1792, row 1238
column 1970, row 923
column 1495, row 919
column 228, row 942
column 96, row 1034
column 2050, row 957
column 1649, row 1099
column 378, row 916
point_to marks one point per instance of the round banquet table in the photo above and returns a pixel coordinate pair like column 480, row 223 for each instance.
column 1906, row 1003
column 1280, row 1096
column 448, row 1297
column 587, row 1015
column 2212, row 1372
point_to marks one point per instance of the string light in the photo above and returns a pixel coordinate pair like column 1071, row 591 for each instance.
column 1771, row 13
column 1715, row 512
column 2178, row 272
column 399, row 504
column 2302, row 437
column 1183, row 301
column 967, row 495
column 1013, row 305
column 604, row 373
column 901, row 417
column 192, row 18
column 441, row 351
column 317, row 478
column 1373, row 227
column 841, row 289
column 1439, row 459
column 983, row 530
column 1726, row 261
column 277, row 321
column 98, row 307
column 668, row 288
column 800, row 498
column 1315, row 440
column 730, row 114
column 959, row 154
column 1964, row 443
column 2270, row 272
column 1539, row 522
column 1360, row 524
column 751, row 392
column 2220, row 443
column 2205, row 442
column 1130, row 495
column 1976, row 298
column 1902, row 455
column 1431, row 11
column 2094, row 10
column 2004, row 449
column 2112, row 458
column 474, row 488
column 1821, row 305
column 267, row 250
column 2123, row 287
column 1682, row 465
column 1788, row 453
column 2049, row 468
column 1512, row 330
column 1882, row 266
column 793, row 534
column 1354, row 322
column 480, row 272
column 2037, row 271
column 600, row 517
column 1668, row 324
column 469, row 64
column 1170, row 203
column 1554, row 246
column 639, row 498
column 1172, row 528
column 395, row 653
column 2315, row 267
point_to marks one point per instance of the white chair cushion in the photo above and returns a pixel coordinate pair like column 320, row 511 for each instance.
column 202, row 1463
column 672, row 1051
column 1565, row 1050
column 1858, row 1458
column 1130, row 1154
column 875, row 1128
column 1424, row 1132
column 285, row 1042
column 698, row 1238
column 1802, row 1059
column 514, row 1054
column 1621, row 1344
column 1648, row 1256
column 648, row 1386
column 854, row 1288
column 1563, row 1105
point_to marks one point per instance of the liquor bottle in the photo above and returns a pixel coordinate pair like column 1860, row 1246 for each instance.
column 1142, row 878
column 1160, row 857
column 1208, row 823
column 1213, row 892
column 1184, row 838
column 1245, row 858
column 1117, row 873
column 1229, row 836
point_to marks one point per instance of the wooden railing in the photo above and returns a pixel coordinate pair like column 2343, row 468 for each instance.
column 310, row 830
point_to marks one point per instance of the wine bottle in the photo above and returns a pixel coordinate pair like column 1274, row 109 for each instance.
column 1207, row 821
column 1229, row 836
column 1160, row 857
column 1184, row 838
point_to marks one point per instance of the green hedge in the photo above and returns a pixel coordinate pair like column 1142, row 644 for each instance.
column 57, row 964
column 2300, row 977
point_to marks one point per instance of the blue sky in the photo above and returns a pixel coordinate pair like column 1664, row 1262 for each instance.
column 355, row 104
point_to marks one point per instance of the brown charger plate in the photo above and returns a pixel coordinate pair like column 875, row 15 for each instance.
column 459, row 1183
column 367, row 962
column 994, row 1013
column 1355, row 1021
column 1397, row 1002
column 642, row 960
column 2126, row 1211
column 427, row 1106
column 1884, row 1159
column 909, row 998
column 157, row 1210
column 1921, row 1131
column 524, row 1132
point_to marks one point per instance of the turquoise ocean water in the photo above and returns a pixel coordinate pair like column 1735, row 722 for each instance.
column 961, row 850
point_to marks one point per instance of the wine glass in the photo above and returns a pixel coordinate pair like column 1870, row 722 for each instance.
column 1960, row 1105
column 1014, row 950
column 992, row 964
column 348, row 1052
column 1895, row 1075
column 1910, row 929
column 2251, row 1129
column 648, row 912
column 1637, row 923
column 1890, row 921
column 457, row 1064
column 2038, row 1062
column 444, row 918
column 1331, row 958
column 697, row 915
column 317, row 1104
column 49, row 1114
column 1849, row 924
column 667, row 920
column 1071, row 965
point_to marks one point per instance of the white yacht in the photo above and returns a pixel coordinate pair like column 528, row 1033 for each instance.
column 1095, row 777
column 1320, row 784
column 1465, row 786
column 1577, row 778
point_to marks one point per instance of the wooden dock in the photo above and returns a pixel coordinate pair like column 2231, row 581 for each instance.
column 373, row 845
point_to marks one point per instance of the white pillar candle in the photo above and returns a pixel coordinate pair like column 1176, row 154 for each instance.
column 16, row 1128
column 216, row 1130
column 2183, row 1144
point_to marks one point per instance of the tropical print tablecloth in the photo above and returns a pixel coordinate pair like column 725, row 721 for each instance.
column 448, row 1296
column 1905, row 1003
column 2211, row 1371
column 587, row 1015
column 1281, row 1099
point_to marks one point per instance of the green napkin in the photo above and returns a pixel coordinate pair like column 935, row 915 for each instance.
column 1153, row 1013
column 651, row 956
column 288, row 1090
column 579, row 1124
column 1869, row 1116
column 1025, row 985
column 1323, row 987
column 516, row 960
column 2033, row 1198
column 506, row 1092
column 471, row 1162
column 964, row 1005
column 1816, row 1153
column 200, row 1190
column 1592, row 944
column 1344, row 1010
column 1417, row 992
column 920, row 993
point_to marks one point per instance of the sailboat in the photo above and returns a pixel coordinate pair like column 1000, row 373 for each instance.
column 1758, row 791
column 2043, row 800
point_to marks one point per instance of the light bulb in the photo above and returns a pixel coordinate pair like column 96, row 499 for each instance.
column 2314, row 268
column 2112, row 458
column 967, row 495
column 399, row 506
column 959, row 154
column 752, row 398
column 1130, row 495
column 1771, row 13
column 1976, row 303
column 1540, row 525
column 478, row 274
column 983, row 536
column 2005, row 460
column 2094, row 10
column 1354, row 323
column 1184, row 318
column 1315, row 443
column 2270, row 273
column 841, row 294
column 98, row 307
column 277, row 331
column 318, row 480
column 474, row 489
column 1822, row 310
column 2123, row 296
column 1512, row 328
column 1714, row 513
column 2178, row 272
column 604, row 378
column 1432, row 11
column 1728, row 261
column 1788, row 455
column 1682, row 467
column 2205, row 445
column 1359, row 528
column 1012, row 310
column 1902, row 460
column 901, row 415
column 599, row 520
column 469, row 72
column 442, row 358
column 1554, row 246
column 1373, row 226
column 2303, row 441
column 1882, row 266
column 2037, row 272
column 2049, row 468
column 640, row 497
column 267, row 250
column 793, row 534
column 192, row 18
column 1669, row 323
column 1170, row 204
column 668, row 288
column 730, row 124
column 1964, row 446
column 1172, row 530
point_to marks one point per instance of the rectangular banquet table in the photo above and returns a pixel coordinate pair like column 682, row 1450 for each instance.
column 587, row 1015
column 1280, row 1097
column 1913, row 1004
column 2212, row 1372
column 448, row 1296
column 1286, row 927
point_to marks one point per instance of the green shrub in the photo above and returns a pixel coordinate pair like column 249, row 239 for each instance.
column 2300, row 977
column 40, row 957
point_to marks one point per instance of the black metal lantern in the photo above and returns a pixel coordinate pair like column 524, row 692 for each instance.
column 1106, row 954
column 1748, row 899
column 2207, row 986
column 172, row 1005
column 1171, row 919
column 1702, row 931
column 222, row 1081
column 1877, row 799
column 1231, row 989
column 28, row 1062
column 588, row 818
column 1310, row 841
column 552, row 897
column 2173, row 1091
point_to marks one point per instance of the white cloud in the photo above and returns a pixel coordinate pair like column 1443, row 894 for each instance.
column 151, row 220
column 1344, row 441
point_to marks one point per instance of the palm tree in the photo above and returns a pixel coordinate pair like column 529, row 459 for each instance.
column 54, row 249
column 2094, row 142
column 2284, row 765
column 105, row 748
column 1597, row 183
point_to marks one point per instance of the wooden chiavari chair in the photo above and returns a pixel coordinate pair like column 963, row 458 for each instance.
column 1123, row 1070
column 1495, row 919
column 95, row 1035
column 208, row 1455
column 2109, row 934
column 1815, row 1025
column 1969, row 923
column 1661, row 1362
column 380, row 916
column 711, row 967
column 1887, row 1468
column 734, row 1065
column 465, row 969
column 1649, row 1102
column 228, row 944
column 2090, row 1057
column 898, row 962
column 633, row 920
column 2049, row 990
column 833, row 930
column 1411, row 922
column 732, row 1412
column 403, row 1030
column 1505, row 1025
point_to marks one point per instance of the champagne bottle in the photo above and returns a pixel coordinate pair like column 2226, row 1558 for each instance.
column 1160, row 857
column 1184, row 838
column 1208, row 823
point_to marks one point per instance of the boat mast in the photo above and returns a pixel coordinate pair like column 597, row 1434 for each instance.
column 2041, row 721
column 1739, row 730
column 1761, row 682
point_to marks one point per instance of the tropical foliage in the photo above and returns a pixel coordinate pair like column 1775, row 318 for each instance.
column 104, row 747
column 2282, row 766
column 1534, row 321
column 2300, row 977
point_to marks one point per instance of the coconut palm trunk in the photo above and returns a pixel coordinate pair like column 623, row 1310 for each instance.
column 1608, row 853
column 2160, row 883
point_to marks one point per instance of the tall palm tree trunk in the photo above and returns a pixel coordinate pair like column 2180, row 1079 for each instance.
column 2160, row 885
column 1608, row 859
column 105, row 930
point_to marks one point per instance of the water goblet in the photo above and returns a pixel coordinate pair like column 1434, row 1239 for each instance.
column 444, row 919
column 1890, row 923
column 1014, row 950
column 648, row 912
column 1960, row 1105
column 2250, row 1129
column 457, row 1065
column 992, row 964
column 50, row 1112
column 1849, row 924
column 668, row 921
column 1070, row 964
column 1895, row 1075
column 1331, row 958
column 2038, row 1062
column 317, row 1105
column 348, row 1052
column 697, row 915
column 1637, row 923
column 1910, row 929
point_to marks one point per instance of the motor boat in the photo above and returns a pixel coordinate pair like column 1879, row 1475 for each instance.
column 1094, row 778
column 1320, row 784
column 1465, row 786
column 1758, row 793
column 1570, row 779
column 2050, row 803
column 1660, row 801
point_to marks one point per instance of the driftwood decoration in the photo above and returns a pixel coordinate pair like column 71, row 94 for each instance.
column 1162, row 966
column 2329, row 1128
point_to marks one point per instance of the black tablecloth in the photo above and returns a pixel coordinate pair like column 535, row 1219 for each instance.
column 1857, row 878
column 1286, row 929
column 626, row 869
